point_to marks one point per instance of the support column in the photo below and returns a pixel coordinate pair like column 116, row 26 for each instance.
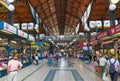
column 20, row 26
column 9, row 47
column 112, row 18
column 22, row 46
column 102, row 25
column 11, row 17
column 88, row 40
column 30, row 54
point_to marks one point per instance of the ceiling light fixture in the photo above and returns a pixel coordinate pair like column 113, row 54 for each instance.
column 112, row 7
column 11, row 7
column 36, row 26
column 10, row 1
column 114, row 1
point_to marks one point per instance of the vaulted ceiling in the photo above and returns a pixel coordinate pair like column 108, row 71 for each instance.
column 60, row 16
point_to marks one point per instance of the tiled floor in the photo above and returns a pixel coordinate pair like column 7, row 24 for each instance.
column 72, row 70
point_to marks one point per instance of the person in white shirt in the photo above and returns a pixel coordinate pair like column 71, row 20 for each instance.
column 102, row 64
column 114, row 76
column 36, row 58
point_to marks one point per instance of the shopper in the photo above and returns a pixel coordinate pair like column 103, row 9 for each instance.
column 102, row 64
column 13, row 67
column 36, row 59
column 113, row 75
column 95, row 62
column 50, row 62
column 33, row 59
column 57, row 56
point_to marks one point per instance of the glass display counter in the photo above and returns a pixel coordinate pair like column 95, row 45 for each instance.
column 3, row 61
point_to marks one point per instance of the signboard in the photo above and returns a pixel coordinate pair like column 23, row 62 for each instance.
column 5, row 26
column 16, row 25
column 102, row 34
column 25, row 35
column 108, row 46
column 20, row 33
column 9, row 28
column 112, row 31
column 31, row 38
column 92, row 39
column 1, row 25
column 40, row 43
column 117, row 28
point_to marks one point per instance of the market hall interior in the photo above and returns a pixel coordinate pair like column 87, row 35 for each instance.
column 76, row 29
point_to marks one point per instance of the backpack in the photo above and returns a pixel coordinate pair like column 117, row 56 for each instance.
column 112, row 67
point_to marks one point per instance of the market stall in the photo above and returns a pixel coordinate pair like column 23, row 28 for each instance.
column 12, row 41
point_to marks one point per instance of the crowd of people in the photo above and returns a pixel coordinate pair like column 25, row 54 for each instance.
column 103, row 63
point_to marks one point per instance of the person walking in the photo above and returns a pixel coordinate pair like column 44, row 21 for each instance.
column 13, row 67
column 50, row 62
column 36, row 59
column 102, row 64
column 113, row 70
column 33, row 59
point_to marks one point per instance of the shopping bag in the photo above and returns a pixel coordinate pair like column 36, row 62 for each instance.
column 105, row 76
column 34, row 62
column 98, row 69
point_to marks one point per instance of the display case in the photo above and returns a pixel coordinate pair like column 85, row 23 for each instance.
column 3, row 61
column 3, row 58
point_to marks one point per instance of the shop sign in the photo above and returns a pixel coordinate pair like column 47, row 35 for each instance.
column 39, row 46
column 40, row 43
column 33, row 46
column 102, row 34
column 46, row 44
column 117, row 28
column 81, row 44
column 31, row 38
column 92, row 39
column 9, row 28
column 1, row 25
column 33, row 43
column 108, row 45
column 20, row 33
column 25, row 35
column 112, row 31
